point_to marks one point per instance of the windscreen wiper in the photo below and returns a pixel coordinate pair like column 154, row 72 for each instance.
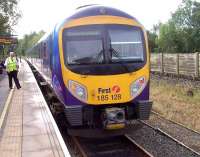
column 98, row 56
column 89, row 61
column 122, row 63
column 84, row 60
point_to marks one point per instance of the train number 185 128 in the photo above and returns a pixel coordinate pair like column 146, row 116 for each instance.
column 109, row 97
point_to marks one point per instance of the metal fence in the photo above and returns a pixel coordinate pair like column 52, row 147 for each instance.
column 179, row 64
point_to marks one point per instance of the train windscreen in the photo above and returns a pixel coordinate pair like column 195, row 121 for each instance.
column 99, row 44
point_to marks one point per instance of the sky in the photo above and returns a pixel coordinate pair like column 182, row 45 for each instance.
column 44, row 14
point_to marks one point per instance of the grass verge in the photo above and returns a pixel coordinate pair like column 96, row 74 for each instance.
column 174, row 101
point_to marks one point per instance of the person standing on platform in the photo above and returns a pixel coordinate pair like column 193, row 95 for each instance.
column 12, row 67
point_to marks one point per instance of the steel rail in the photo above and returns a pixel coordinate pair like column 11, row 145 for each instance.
column 171, row 137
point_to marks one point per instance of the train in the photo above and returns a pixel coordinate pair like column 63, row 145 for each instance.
column 97, row 63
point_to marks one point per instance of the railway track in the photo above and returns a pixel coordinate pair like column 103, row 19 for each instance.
column 177, row 131
column 119, row 146
column 173, row 138
column 173, row 122
column 160, row 143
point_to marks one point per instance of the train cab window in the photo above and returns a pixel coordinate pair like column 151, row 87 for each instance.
column 91, row 49
column 126, row 43
column 83, row 45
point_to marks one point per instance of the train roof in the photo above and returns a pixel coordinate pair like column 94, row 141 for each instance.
column 95, row 10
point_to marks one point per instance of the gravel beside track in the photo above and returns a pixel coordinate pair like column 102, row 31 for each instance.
column 186, row 82
column 187, row 136
column 159, row 144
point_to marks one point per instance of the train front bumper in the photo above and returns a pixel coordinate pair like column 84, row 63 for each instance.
column 143, row 109
column 96, row 116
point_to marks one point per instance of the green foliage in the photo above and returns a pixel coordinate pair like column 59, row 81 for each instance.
column 170, row 38
column 182, row 32
column 196, row 14
column 9, row 15
column 152, row 40
column 4, row 26
column 182, row 16
column 28, row 41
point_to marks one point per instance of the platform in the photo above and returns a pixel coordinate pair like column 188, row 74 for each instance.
column 29, row 129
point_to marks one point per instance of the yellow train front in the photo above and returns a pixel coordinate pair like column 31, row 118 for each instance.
column 105, row 67
column 99, row 63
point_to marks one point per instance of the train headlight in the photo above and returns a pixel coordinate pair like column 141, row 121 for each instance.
column 78, row 90
column 137, row 86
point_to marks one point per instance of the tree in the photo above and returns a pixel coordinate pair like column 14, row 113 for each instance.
column 182, row 16
column 9, row 15
column 170, row 38
column 182, row 32
column 152, row 40
column 28, row 41
column 4, row 26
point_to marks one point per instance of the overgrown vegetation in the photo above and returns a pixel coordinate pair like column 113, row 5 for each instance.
column 181, row 33
column 174, row 101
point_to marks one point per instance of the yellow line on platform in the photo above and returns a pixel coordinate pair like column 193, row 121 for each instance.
column 3, row 115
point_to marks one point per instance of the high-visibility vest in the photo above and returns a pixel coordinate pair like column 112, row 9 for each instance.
column 12, row 64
